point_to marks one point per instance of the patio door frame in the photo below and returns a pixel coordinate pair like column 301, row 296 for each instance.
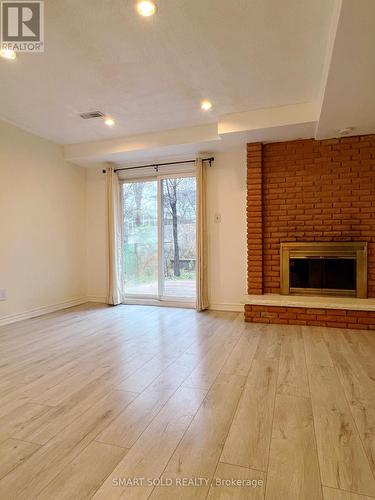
column 160, row 298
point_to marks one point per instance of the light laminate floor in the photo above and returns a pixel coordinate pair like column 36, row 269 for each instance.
column 147, row 402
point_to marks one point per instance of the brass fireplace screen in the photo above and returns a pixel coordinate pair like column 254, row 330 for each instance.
column 324, row 268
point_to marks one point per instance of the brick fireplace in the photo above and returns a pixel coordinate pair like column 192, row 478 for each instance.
column 308, row 191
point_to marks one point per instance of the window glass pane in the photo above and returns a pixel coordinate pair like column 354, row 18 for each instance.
column 179, row 238
column 140, row 233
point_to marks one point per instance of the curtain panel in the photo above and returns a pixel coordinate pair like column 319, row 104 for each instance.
column 202, row 284
column 114, row 237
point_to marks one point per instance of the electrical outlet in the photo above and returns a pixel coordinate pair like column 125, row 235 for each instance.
column 217, row 218
column 3, row 294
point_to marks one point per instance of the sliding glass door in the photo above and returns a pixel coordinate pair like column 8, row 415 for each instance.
column 140, row 232
column 178, row 229
column 159, row 241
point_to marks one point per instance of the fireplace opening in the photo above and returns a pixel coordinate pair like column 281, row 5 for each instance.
column 323, row 273
column 324, row 268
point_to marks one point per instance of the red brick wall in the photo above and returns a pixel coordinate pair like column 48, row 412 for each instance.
column 337, row 318
column 254, row 219
column 310, row 191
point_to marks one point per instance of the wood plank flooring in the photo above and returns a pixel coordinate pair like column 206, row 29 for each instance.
column 144, row 402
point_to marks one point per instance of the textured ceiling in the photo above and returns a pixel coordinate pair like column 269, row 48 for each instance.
column 150, row 73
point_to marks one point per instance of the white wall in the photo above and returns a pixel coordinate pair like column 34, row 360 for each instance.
column 96, row 235
column 42, row 224
column 226, row 195
column 52, row 227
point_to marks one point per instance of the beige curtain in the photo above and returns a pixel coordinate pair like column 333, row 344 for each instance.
column 202, row 286
column 114, row 228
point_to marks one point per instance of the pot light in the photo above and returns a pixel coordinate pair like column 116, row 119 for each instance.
column 8, row 54
column 146, row 8
column 206, row 105
column 109, row 121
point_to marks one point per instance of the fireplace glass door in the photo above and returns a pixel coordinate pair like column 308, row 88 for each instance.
column 327, row 273
column 324, row 268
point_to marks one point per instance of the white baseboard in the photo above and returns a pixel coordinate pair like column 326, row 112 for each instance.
column 6, row 319
column 96, row 298
column 227, row 307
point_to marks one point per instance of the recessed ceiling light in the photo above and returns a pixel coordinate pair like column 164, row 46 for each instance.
column 146, row 8
column 109, row 121
column 8, row 54
column 206, row 105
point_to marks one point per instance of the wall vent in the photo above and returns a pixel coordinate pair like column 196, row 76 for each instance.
column 91, row 114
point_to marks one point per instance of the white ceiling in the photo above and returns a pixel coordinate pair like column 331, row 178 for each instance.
column 349, row 97
column 274, row 70
column 151, row 73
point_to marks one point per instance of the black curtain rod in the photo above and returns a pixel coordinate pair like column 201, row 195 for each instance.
column 157, row 165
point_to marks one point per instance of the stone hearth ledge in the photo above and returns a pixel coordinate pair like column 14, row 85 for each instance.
column 346, row 303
